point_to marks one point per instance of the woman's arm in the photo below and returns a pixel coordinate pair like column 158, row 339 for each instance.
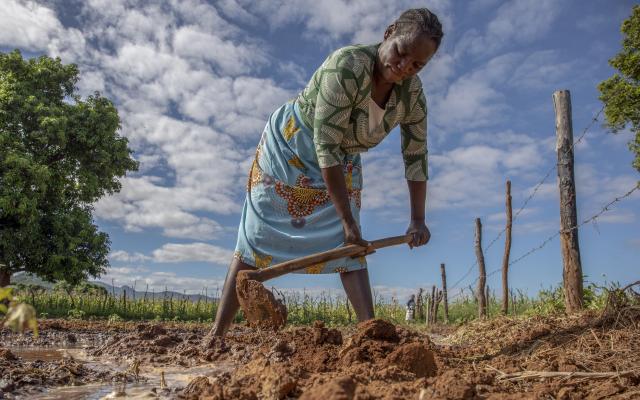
column 337, row 188
column 417, row 226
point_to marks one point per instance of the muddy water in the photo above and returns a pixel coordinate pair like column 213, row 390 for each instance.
column 148, row 387
column 45, row 353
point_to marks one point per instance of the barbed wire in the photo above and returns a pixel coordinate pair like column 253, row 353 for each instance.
column 593, row 218
column 533, row 193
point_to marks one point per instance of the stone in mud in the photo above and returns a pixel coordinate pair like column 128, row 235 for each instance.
column 201, row 387
column 415, row 358
column 148, row 332
column 166, row 340
column 7, row 355
column 260, row 307
column 322, row 335
column 342, row 388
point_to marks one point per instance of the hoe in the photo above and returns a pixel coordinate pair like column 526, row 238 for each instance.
column 262, row 309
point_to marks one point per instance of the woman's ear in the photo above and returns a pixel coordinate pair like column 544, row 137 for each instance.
column 390, row 29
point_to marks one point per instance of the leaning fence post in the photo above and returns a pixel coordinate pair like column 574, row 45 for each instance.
column 420, row 305
column 507, row 251
column 572, row 267
column 432, row 308
column 482, row 279
column 443, row 272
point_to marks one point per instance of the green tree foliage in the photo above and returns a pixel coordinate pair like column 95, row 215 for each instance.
column 621, row 92
column 58, row 155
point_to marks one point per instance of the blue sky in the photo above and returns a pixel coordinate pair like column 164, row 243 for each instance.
column 195, row 81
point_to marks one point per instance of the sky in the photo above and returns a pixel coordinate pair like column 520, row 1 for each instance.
column 195, row 81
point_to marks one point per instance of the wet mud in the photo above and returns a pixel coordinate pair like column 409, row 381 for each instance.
column 502, row 358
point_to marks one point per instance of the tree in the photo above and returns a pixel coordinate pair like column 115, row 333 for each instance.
column 621, row 92
column 58, row 155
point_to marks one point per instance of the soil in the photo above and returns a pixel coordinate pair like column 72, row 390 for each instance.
column 373, row 360
column 260, row 307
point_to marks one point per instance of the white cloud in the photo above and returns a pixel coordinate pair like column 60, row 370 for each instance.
column 123, row 256
column 469, row 102
column 617, row 216
column 27, row 25
column 332, row 20
column 177, row 253
column 383, row 181
column 174, row 252
column 515, row 22
column 228, row 58
column 542, row 70
column 159, row 280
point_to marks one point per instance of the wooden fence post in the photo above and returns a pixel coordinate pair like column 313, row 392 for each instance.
column 420, row 305
column 572, row 267
column 443, row 272
column 482, row 280
column 507, row 251
column 487, row 296
column 432, row 305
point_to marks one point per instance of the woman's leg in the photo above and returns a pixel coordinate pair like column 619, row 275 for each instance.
column 356, row 285
column 228, row 305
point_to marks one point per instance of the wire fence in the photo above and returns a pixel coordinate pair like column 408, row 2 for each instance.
column 523, row 206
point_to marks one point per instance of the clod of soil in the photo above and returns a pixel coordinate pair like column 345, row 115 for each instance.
column 7, row 355
column 415, row 358
column 322, row 335
column 376, row 329
column 342, row 388
column 260, row 307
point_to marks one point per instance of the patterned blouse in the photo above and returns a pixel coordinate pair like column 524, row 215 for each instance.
column 335, row 104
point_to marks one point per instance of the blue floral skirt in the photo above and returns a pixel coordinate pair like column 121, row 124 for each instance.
column 287, row 212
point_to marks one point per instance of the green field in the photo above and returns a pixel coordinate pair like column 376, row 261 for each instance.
column 88, row 301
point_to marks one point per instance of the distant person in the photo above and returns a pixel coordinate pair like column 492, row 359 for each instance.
column 411, row 308
column 303, row 193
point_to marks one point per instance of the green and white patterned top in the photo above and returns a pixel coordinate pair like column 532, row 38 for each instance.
column 335, row 104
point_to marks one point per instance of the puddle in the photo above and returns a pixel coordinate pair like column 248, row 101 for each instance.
column 147, row 387
column 96, row 391
column 174, row 376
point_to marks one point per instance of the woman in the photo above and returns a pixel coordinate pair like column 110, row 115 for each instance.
column 303, row 194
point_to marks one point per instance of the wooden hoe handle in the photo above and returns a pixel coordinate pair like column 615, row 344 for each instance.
column 277, row 270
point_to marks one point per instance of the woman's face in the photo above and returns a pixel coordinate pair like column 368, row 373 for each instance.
column 402, row 56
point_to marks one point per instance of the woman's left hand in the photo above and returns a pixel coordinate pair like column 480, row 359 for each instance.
column 420, row 232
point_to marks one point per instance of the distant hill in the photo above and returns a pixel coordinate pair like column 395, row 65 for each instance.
column 26, row 279
column 118, row 290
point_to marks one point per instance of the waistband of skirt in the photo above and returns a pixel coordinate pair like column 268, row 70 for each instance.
column 297, row 112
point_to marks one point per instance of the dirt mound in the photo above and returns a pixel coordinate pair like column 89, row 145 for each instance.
column 376, row 329
column 260, row 307
column 313, row 362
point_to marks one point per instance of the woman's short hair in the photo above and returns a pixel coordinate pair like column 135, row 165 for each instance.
column 419, row 20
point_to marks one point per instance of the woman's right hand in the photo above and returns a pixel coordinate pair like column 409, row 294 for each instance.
column 352, row 235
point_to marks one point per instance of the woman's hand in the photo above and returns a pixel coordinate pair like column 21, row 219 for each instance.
column 352, row 235
column 420, row 232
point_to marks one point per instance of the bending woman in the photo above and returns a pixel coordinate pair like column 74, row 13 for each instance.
column 303, row 193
